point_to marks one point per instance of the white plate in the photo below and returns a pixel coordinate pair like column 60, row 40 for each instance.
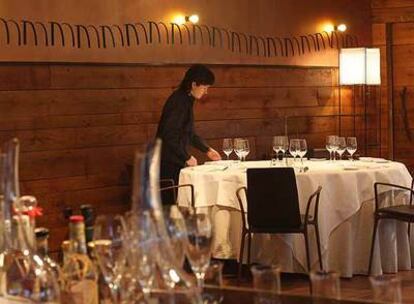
column 317, row 159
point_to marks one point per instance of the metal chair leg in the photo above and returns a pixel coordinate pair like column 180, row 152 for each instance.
column 318, row 243
column 241, row 256
column 249, row 246
column 374, row 233
column 307, row 249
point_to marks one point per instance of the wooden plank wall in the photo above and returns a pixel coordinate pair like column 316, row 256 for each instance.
column 79, row 125
column 401, row 14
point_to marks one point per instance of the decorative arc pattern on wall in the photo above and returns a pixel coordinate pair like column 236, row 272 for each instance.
column 63, row 34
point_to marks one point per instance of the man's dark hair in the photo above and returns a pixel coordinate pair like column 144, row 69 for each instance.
column 199, row 74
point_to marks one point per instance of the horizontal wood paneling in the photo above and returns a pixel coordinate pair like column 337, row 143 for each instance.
column 79, row 125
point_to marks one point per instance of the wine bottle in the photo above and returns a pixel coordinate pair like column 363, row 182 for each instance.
column 80, row 274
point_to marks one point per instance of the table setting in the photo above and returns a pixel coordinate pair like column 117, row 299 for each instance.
column 345, row 210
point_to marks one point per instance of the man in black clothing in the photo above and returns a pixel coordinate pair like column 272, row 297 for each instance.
column 176, row 126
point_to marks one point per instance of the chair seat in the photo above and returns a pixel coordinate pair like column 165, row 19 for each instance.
column 299, row 229
column 399, row 212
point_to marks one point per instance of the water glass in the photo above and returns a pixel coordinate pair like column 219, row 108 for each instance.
column 331, row 145
column 303, row 149
column 341, row 146
column 294, row 148
column 227, row 147
column 386, row 289
column 176, row 229
column 351, row 146
column 280, row 144
column 214, row 274
column 325, row 284
column 266, row 281
column 109, row 251
column 238, row 147
column 199, row 232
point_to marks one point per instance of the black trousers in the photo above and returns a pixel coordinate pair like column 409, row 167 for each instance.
column 169, row 171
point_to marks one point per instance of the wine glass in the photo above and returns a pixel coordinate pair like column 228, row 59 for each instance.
column 177, row 232
column 294, row 148
column 227, row 147
column 238, row 147
column 331, row 145
column 341, row 146
column 142, row 249
column 351, row 146
column 303, row 149
column 199, row 232
column 279, row 144
column 246, row 148
column 108, row 248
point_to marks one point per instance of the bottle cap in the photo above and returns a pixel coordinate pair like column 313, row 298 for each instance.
column 41, row 232
column 76, row 218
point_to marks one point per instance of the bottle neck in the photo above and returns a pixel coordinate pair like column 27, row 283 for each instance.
column 77, row 237
column 42, row 247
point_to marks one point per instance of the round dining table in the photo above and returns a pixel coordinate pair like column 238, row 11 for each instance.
column 345, row 213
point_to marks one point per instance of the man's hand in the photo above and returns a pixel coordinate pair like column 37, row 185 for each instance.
column 213, row 154
column 191, row 162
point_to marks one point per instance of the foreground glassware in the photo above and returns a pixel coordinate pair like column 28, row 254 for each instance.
column 227, row 147
column 386, row 289
column 266, row 280
column 325, row 284
column 351, row 146
column 109, row 250
column 141, row 247
column 146, row 200
column 198, row 251
column 177, row 232
column 23, row 273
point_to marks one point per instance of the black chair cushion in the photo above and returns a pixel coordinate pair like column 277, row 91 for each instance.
column 272, row 199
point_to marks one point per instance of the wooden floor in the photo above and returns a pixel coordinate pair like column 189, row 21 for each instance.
column 357, row 288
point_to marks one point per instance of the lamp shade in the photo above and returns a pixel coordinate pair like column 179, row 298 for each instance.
column 359, row 66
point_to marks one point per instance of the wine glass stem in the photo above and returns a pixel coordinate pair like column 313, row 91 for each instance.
column 200, row 280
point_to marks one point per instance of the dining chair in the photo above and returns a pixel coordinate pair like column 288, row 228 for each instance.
column 404, row 213
column 273, row 208
column 169, row 191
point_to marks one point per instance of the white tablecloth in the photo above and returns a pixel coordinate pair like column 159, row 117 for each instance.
column 345, row 215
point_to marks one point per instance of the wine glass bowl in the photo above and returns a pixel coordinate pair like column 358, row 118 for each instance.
column 227, row 147
column 351, row 146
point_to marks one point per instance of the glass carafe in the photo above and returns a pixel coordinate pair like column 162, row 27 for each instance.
column 146, row 199
column 24, row 276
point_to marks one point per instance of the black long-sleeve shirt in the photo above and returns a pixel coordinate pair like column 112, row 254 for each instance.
column 176, row 129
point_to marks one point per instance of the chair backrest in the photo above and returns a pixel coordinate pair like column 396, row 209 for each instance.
column 272, row 198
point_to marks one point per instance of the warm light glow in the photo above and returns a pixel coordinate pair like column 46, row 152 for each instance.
column 329, row 27
column 373, row 66
column 194, row 18
column 342, row 27
column 179, row 19
column 359, row 66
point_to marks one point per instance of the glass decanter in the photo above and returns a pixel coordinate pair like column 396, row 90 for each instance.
column 24, row 276
column 146, row 199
